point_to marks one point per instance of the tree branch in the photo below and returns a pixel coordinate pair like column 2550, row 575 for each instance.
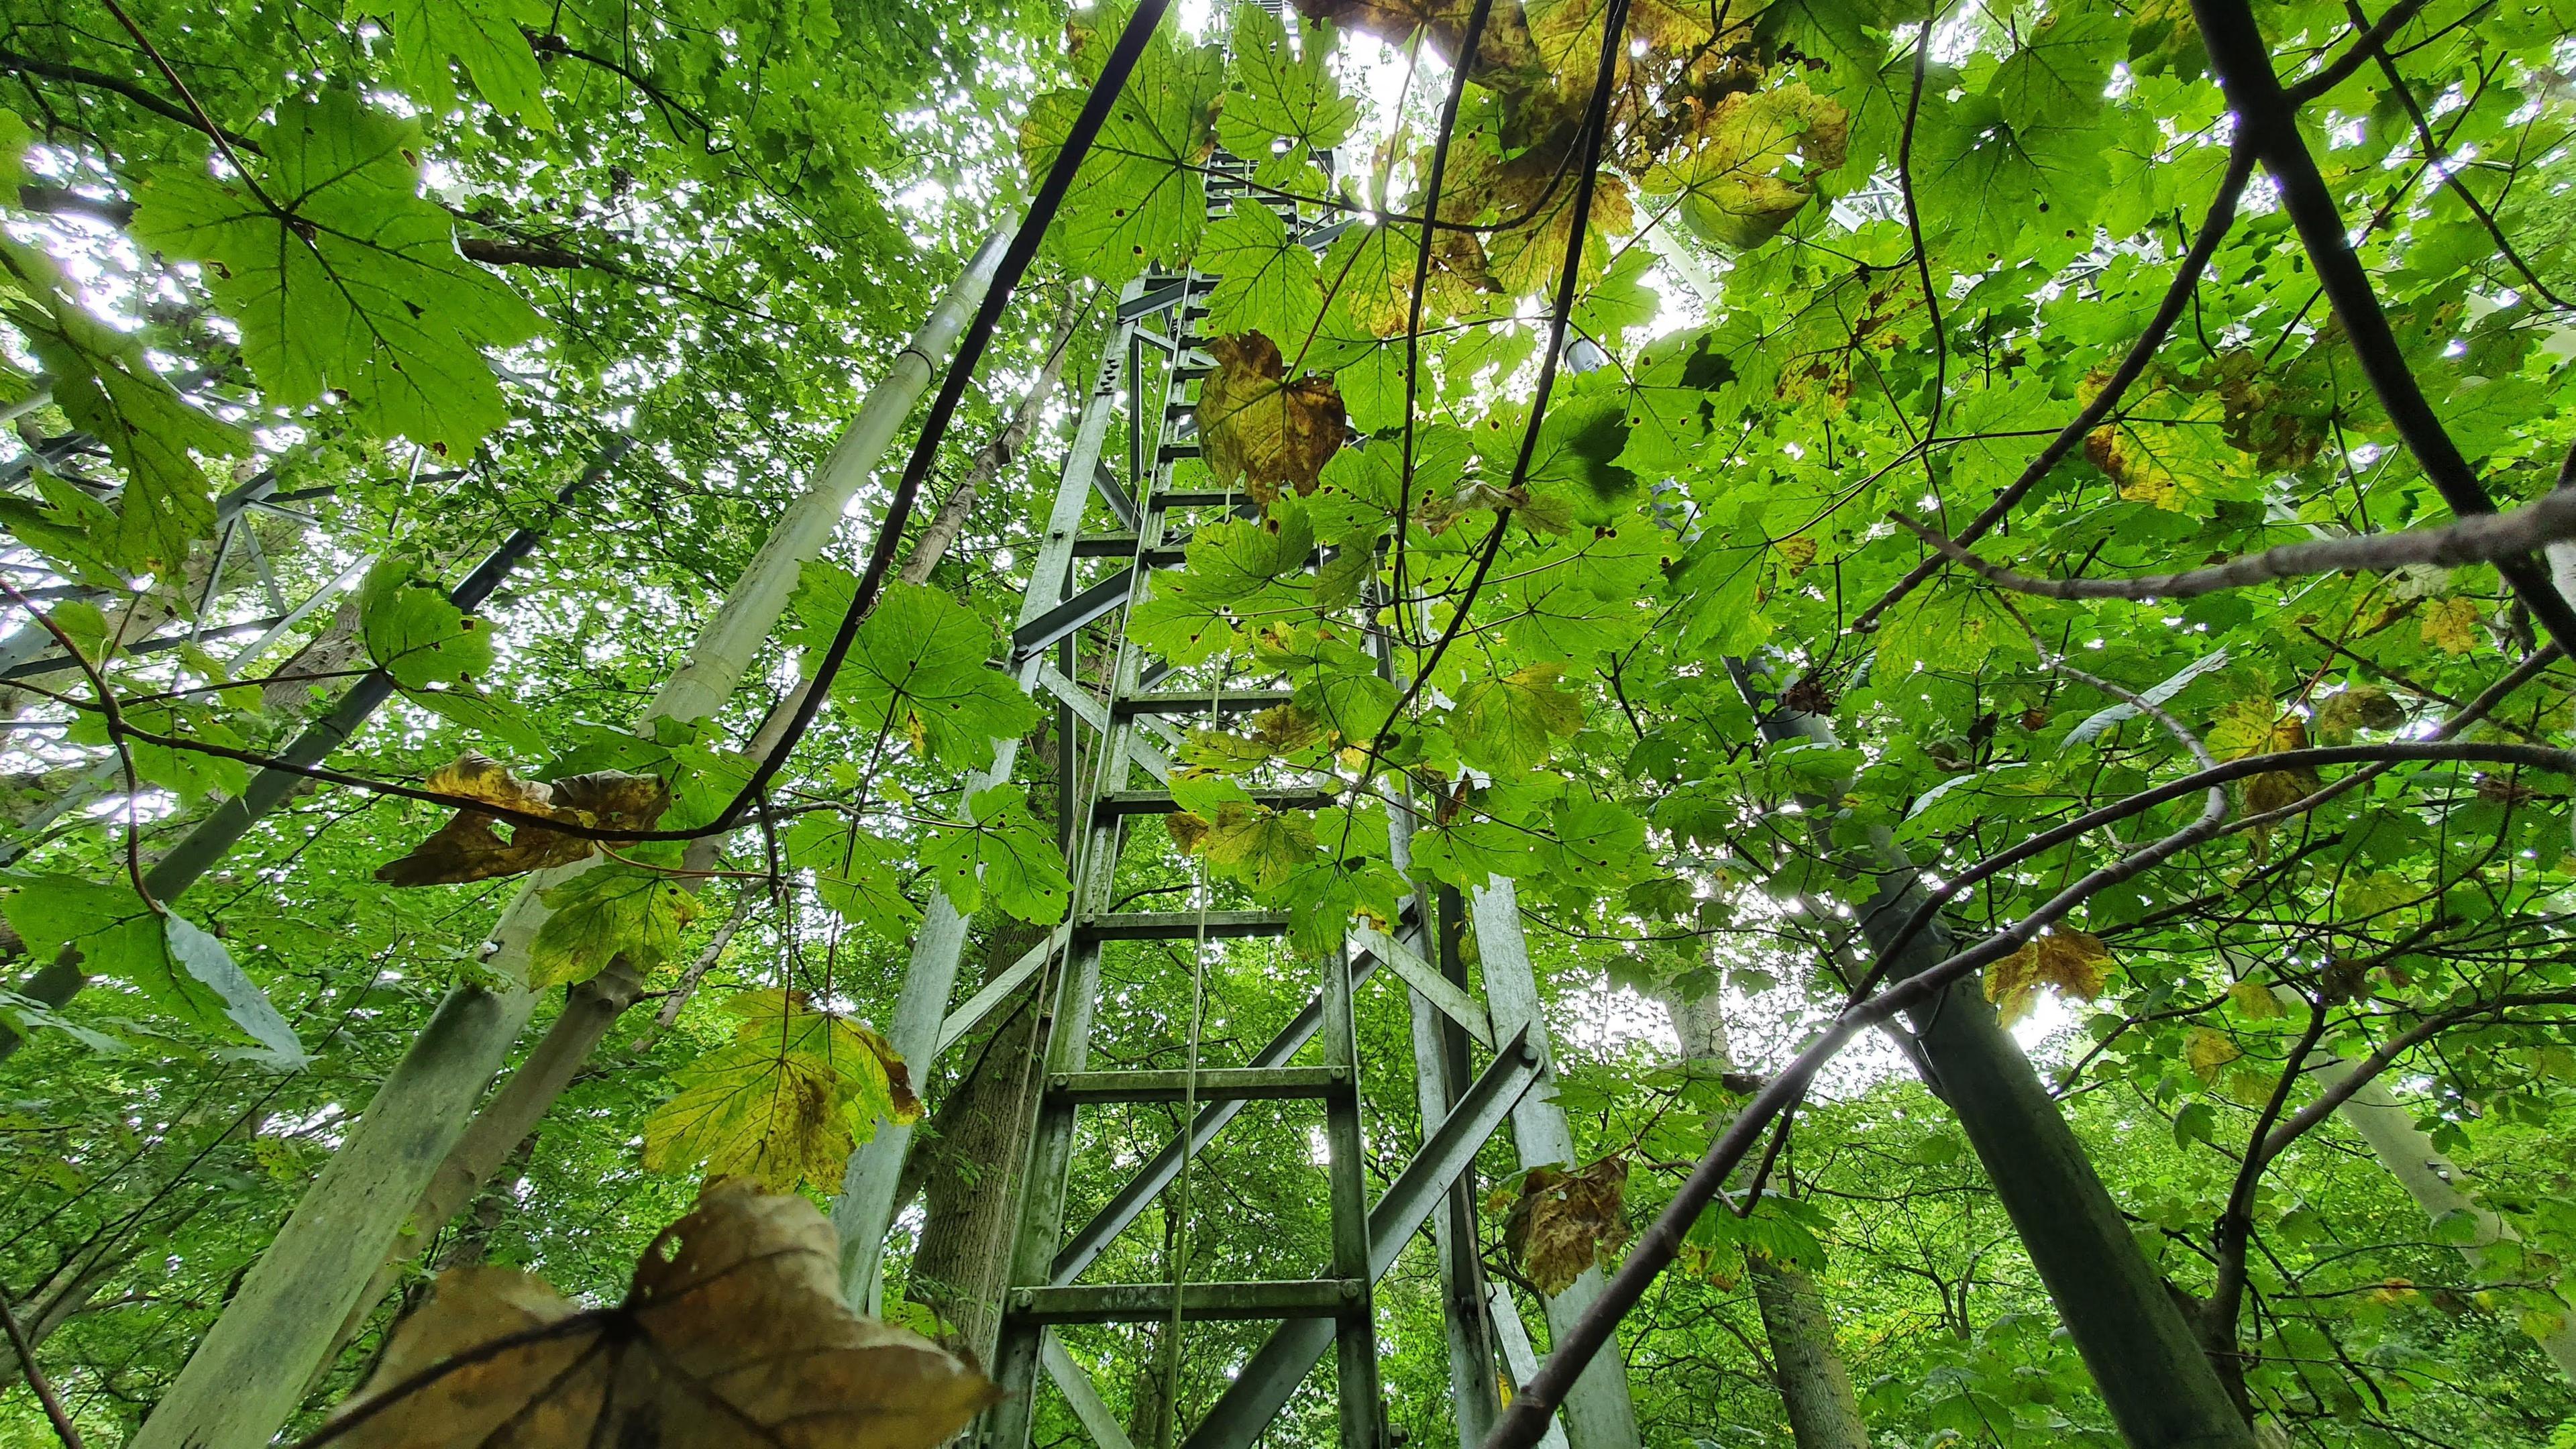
column 2479, row 538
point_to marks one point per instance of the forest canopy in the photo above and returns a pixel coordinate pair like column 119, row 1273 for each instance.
column 1941, row 632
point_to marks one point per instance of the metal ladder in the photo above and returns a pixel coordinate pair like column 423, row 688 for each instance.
column 1130, row 729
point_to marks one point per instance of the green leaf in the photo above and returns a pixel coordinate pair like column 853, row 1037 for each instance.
column 857, row 874
column 1981, row 180
column 2057, row 75
column 1266, row 283
column 1231, row 561
column 1002, row 852
column 1137, row 198
column 1510, row 723
column 343, row 277
column 174, row 963
column 916, row 669
column 484, row 37
column 105, row 385
column 1949, row 629
column 608, row 911
column 414, row 634
column 1280, row 93
column 1735, row 185
column 785, row 1101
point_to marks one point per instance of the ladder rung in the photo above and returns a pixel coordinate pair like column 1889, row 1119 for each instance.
column 1182, row 925
column 1191, row 498
column 1105, row 545
column 1232, row 701
column 1159, row 802
column 1215, row 1084
column 1174, row 452
column 1199, row 1302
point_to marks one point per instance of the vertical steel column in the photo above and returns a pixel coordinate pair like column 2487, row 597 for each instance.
column 1598, row 1412
column 864, row 1210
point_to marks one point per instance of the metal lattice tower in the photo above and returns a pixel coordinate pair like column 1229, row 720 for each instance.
column 1122, row 713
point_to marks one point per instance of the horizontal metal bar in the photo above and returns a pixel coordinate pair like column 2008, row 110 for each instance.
column 1200, row 701
column 1200, row 498
column 1085, row 1245
column 1105, row 545
column 1174, row 452
column 1208, row 1084
column 1293, row 1298
column 1157, row 298
column 1181, row 925
column 1048, row 629
column 1159, row 802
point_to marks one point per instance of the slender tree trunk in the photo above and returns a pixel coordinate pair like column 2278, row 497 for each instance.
column 248, row 1375
column 593, row 1008
column 1815, row 1388
column 975, row 1150
column 2161, row 1389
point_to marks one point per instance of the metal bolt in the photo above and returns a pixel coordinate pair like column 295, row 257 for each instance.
column 1351, row 1290
column 1023, row 1299
column 1060, row 1081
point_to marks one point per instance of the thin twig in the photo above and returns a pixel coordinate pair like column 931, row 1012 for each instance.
column 68, row 1431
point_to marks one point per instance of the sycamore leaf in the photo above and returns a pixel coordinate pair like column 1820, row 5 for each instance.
column 356, row 284
column 471, row 847
column 917, row 669
column 1245, row 842
column 857, row 874
column 1266, row 283
column 1231, row 561
column 1510, row 723
column 485, row 37
column 1138, row 197
column 602, row 914
column 2171, row 449
column 1732, row 184
column 785, row 1101
column 733, row 1335
column 2071, row 963
column 1279, row 93
column 2451, row 625
column 1003, row 852
column 414, row 634
column 1369, row 272
column 105, row 385
column 2058, row 74
column 2364, row 706
column 1261, row 429
column 1568, row 1220
column 2205, row 1051
column 177, row 965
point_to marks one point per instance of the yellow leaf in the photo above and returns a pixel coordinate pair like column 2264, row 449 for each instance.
column 2205, row 1051
column 1258, row 427
column 785, row 1101
column 2451, row 625
column 2255, row 1000
column 470, row 847
column 2074, row 963
column 2364, row 706
column 733, row 1335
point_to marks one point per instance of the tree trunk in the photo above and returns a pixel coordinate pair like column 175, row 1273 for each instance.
column 248, row 1375
column 971, row 1163
column 2161, row 1389
column 592, row 1008
column 1815, row 1388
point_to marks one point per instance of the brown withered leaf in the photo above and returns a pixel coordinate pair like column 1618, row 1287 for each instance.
column 1258, row 426
column 2072, row 963
column 473, row 845
column 733, row 1335
column 1566, row 1221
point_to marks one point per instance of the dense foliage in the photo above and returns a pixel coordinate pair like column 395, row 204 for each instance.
column 1633, row 364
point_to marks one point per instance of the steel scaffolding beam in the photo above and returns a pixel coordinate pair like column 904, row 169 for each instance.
column 1120, row 709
